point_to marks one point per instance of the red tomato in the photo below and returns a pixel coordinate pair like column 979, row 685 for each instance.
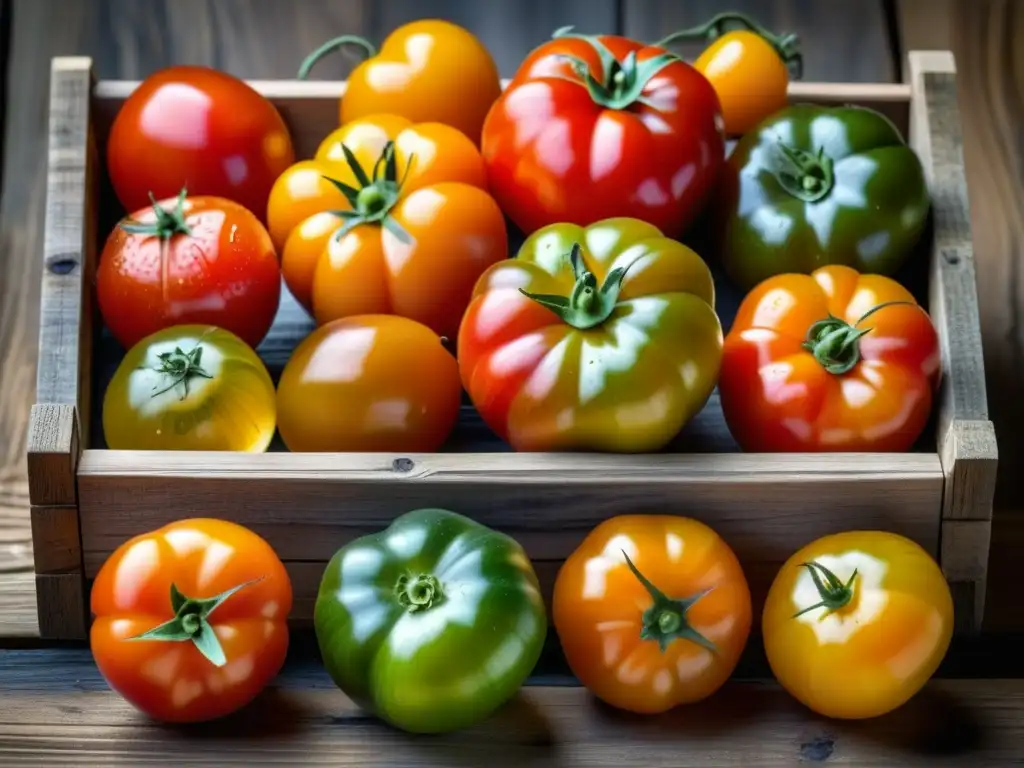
column 831, row 361
column 642, row 138
column 194, row 260
column 191, row 619
column 199, row 128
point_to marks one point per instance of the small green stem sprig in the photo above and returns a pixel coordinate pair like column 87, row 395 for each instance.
column 835, row 343
column 179, row 368
column 665, row 620
column 167, row 224
column 191, row 623
column 834, row 593
column 335, row 44
column 376, row 194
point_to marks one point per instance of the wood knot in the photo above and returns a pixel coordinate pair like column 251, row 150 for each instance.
column 818, row 749
column 403, row 465
column 62, row 266
column 951, row 257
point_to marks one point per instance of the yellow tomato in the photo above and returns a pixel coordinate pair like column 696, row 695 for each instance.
column 190, row 388
column 856, row 623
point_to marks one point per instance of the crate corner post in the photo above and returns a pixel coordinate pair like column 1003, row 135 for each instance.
column 58, row 428
column 966, row 437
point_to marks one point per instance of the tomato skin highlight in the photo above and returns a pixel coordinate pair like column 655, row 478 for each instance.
column 173, row 681
column 776, row 396
column 227, row 403
column 197, row 127
column 599, row 608
column 352, row 385
column 224, row 272
column 544, row 384
column 556, row 154
column 873, row 654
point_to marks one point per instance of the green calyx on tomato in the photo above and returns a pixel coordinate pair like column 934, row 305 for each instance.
column 432, row 623
column 813, row 186
column 190, row 623
column 168, row 222
column 833, row 592
column 665, row 620
column 332, row 45
column 786, row 45
column 835, row 343
column 376, row 195
column 622, row 82
column 588, row 305
column 180, row 367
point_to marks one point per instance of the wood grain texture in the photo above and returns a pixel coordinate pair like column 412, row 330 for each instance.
column 841, row 42
column 18, row 618
column 58, row 710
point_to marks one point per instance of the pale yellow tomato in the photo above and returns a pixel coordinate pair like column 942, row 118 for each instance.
column 190, row 387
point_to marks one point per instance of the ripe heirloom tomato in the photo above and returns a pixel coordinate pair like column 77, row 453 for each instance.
column 831, row 361
column 191, row 619
column 190, row 388
column 596, row 127
column 369, row 383
column 747, row 64
column 856, row 623
column 652, row 611
column 427, row 71
column 204, row 260
column 200, row 128
column 416, row 227
column 603, row 338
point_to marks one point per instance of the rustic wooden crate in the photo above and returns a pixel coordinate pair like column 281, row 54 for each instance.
column 86, row 499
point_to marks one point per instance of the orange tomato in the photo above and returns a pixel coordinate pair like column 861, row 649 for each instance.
column 831, row 361
column 748, row 67
column 191, row 619
column 856, row 623
column 418, row 231
column 352, row 385
column 652, row 611
column 427, row 71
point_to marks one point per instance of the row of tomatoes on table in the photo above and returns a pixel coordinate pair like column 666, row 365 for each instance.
column 436, row 621
column 601, row 333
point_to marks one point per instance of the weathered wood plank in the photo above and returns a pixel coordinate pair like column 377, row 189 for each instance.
column 18, row 618
column 59, row 711
column 842, row 42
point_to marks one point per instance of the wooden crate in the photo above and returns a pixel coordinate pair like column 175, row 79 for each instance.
column 86, row 500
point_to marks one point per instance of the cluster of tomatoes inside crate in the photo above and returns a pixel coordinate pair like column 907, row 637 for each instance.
column 600, row 332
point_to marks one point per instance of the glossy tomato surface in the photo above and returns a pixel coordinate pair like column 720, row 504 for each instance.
column 869, row 392
column 134, row 593
column 557, row 153
column 440, row 228
column 650, row 647
column 369, row 383
column 623, row 375
column 192, row 388
column 200, row 260
column 884, row 638
column 427, row 71
column 197, row 127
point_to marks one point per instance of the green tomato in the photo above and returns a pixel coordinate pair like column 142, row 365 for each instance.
column 813, row 186
column 432, row 623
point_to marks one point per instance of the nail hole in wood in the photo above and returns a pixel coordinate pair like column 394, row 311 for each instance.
column 63, row 266
column 951, row 257
column 403, row 465
column 817, row 750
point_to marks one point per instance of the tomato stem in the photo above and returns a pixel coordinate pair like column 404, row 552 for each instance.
column 621, row 83
column 419, row 592
column 835, row 343
column 332, row 45
column 588, row 305
column 168, row 222
column 180, row 367
column 808, row 176
column 665, row 620
column 786, row 45
column 376, row 194
column 834, row 593
column 190, row 623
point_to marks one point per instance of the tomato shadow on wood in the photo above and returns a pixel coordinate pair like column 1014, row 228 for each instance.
column 272, row 715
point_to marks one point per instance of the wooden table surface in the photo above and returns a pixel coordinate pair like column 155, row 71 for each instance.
column 58, row 711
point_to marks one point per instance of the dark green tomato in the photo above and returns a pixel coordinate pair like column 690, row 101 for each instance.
column 814, row 185
column 432, row 623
